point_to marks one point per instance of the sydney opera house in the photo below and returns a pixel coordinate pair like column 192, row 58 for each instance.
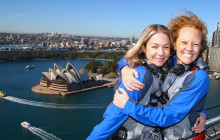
column 69, row 79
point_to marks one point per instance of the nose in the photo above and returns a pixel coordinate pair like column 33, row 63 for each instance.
column 189, row 47
column 160, row 51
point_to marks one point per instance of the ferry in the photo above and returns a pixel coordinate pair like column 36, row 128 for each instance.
column 2, row 94
column 30, row 66
column 25, row 124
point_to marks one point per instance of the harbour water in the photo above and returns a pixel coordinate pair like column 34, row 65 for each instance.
column 58, row 117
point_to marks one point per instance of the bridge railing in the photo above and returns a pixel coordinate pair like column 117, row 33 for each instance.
column 210, row 124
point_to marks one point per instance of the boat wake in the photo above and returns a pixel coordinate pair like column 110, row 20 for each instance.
column 52, row 105
column 42, row 134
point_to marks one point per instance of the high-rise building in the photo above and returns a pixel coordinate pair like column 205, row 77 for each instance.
column 82, row 41
column 216, row 37
column 131, row 39
column 44, row 44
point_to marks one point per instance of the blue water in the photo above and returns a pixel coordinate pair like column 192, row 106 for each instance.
column 73, row 123
column 66, row 124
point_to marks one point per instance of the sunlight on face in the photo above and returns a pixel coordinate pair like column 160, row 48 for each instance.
column 157, row 49
column 188, row 45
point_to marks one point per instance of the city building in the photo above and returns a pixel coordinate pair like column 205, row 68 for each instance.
column 131, row 39
column 82, row 41
column 216, row 37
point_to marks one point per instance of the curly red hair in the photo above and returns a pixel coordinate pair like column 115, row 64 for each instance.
column 188, row 19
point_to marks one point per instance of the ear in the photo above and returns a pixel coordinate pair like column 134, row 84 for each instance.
column 144, row 48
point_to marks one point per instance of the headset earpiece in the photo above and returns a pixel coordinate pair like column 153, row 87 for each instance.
column 152, row 68
column 178, row 69
column 169, row 63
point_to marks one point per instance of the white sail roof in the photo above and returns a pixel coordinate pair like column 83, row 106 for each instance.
column 47, row 74
column 73, row 70
column 71, row 76
column 65, row 77
column 52, row 74
column 57, row 68
column 99, row 77
column 84, row 75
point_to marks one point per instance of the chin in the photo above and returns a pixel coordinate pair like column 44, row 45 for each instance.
column 159, row 65
column 187, row 62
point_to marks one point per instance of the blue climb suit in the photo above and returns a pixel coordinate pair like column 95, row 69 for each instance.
column 114, row 116
column 164, row 117
column 186, row 94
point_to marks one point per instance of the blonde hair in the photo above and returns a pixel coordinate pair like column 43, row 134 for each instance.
column 136, row 53
column 188, row 19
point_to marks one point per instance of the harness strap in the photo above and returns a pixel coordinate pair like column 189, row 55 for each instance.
column 125, row 135
column 138, row 130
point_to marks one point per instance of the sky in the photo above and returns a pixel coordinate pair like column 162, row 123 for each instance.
column 108, row 18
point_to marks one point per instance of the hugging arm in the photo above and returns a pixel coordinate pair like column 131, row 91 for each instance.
column 114, row 116
column 176, row 111
column 129, row 76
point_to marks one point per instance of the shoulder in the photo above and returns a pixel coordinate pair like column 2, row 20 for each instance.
column 198, row 77
column 142, row 71
column 201, row 74
column 140, row 68
column 198, row 74
column 195, row 78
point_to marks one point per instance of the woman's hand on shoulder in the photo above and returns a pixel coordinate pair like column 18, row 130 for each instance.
column 129, row 80
column 120, row 99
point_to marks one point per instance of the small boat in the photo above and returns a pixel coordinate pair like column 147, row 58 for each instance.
column 25, row 124
column 2, row 94
column 217, row 77
column 30, row 66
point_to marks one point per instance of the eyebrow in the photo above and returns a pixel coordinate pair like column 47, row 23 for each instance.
column 158, row 44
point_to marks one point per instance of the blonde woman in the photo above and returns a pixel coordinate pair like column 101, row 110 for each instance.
column 147, row 57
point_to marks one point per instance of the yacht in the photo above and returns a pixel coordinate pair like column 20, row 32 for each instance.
column 25, row 124
column 2, row 94
column 30, row 66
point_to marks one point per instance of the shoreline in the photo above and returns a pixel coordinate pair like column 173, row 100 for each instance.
column 56, row 59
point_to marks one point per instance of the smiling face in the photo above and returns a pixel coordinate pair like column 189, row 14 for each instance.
column 157, row 49
column 188, row 45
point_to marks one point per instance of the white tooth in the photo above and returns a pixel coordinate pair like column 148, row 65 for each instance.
column 188, row 55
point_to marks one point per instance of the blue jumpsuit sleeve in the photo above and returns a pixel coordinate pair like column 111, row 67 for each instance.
column 121, row 64
column 177, row 110
column 114, row 116
column 204, row 111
